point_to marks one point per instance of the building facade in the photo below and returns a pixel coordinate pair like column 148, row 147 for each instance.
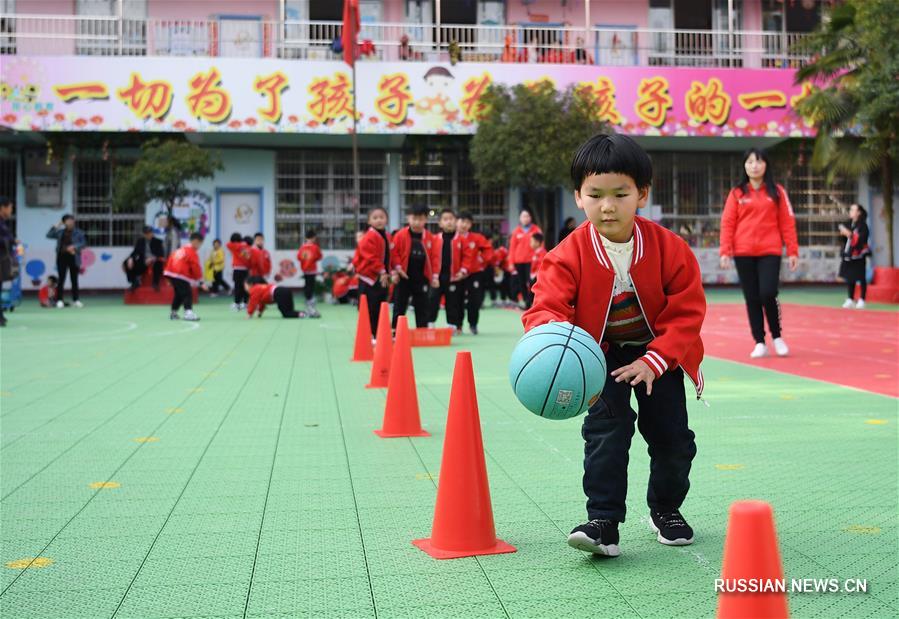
column 86, row 82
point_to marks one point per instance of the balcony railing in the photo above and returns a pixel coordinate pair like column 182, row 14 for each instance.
column 110, row 36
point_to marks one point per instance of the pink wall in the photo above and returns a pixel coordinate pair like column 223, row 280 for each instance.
column 394, row 11
column 612, row 12
column 175, row 9
column 49, row 45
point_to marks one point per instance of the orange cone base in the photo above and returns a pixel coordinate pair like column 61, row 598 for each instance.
column 376, row 386
column 384, row 434
column 499, row 548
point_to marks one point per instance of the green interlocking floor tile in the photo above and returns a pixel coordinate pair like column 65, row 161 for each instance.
column 266, row 494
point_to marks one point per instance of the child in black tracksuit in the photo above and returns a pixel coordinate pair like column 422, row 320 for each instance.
column 855, row 253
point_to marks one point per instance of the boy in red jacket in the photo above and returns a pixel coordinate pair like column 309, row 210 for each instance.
column 308, row 256
column 415, row 267
column 260, row 259
column 262, row 293
column 240, row 263
column 539, row 254
column 448, row 264
column 477, row 254
column 47, row 294
column 636, row 288
column 520, row 255
column 184, row 272
column 372, row 264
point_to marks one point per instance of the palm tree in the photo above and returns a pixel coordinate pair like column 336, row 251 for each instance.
column 855, row 103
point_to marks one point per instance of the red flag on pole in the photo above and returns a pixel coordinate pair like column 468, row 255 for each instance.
column 350, row 30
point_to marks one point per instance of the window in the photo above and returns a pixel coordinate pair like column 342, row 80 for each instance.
column 98, row 27
column 8, row 186
column 93, row 206
column 445, row 179
column 691, row 189
column 315, row 191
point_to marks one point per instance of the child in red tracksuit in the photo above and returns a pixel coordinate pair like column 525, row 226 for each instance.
column 184, row 271
column 539, row 254
column 415, row 267
column 260, row 260
column 520, row 254
column 502, row 275
column 308, row 256
column 240, row 264
column 636, row 288
column 47, row 294
column 477, row 254
column 262, row 293
column 372, row 264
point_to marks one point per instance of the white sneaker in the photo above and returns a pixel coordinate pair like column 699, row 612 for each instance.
column 235, row 307
column 848, row 303
column 860, row 304
column 780, row 347
column 242, row 307
column 60, row 304
column 79, row 304
column 189, row 315
column 759, row 351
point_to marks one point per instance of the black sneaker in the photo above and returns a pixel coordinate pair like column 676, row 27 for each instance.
column 599, row 537
column 474, row 330
column 671, row 528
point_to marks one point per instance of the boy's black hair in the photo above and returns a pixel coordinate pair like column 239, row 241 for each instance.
column 767, row 179
column 146, row 229
column 196, row 236
column 235, row 237
column 219, row 241
column 611, row 153
column 418, row 209
column 537, row 237
column 52, row 278
column 248, row 240
column 377, row 208
column 4, row 200
column 466, row 215
column 67, row 217
column 255, row 279
column 447, row 210
column 311, row 233
column 258, row 234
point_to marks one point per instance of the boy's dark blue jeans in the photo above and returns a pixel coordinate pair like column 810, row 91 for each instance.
column 608, row 430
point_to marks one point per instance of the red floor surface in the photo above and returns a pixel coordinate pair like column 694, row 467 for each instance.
column 856, row 348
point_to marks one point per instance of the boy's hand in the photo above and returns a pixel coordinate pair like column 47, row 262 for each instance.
column 635, row 373
column 724, row 262
column 794, row 262
column 435, row 282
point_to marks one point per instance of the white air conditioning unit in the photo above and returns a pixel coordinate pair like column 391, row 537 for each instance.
column 45, row 193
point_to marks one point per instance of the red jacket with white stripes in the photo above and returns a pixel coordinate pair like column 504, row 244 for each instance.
column 240, row 255
column 576, row 281
column 520, row 250
column 260, row 296
column 184, row 263
column 483, row 251
column 369, row 258
column 468, row 247
column 309, row 254
column 260, row 262
column 401, row 249
column 753, row 225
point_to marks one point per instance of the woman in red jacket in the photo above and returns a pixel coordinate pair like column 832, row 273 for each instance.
column 520, row 255
column 372, row 264
column 757, row 222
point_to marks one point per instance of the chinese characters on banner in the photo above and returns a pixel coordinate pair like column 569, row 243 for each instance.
column 232, row 94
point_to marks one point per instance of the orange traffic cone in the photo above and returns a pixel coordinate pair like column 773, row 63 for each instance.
column 380, row 369
column 751, row 555
column 401, row 416
column 362, row 351
column 463, row 516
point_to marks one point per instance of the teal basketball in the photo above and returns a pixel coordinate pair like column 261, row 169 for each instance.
column 557, row 370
